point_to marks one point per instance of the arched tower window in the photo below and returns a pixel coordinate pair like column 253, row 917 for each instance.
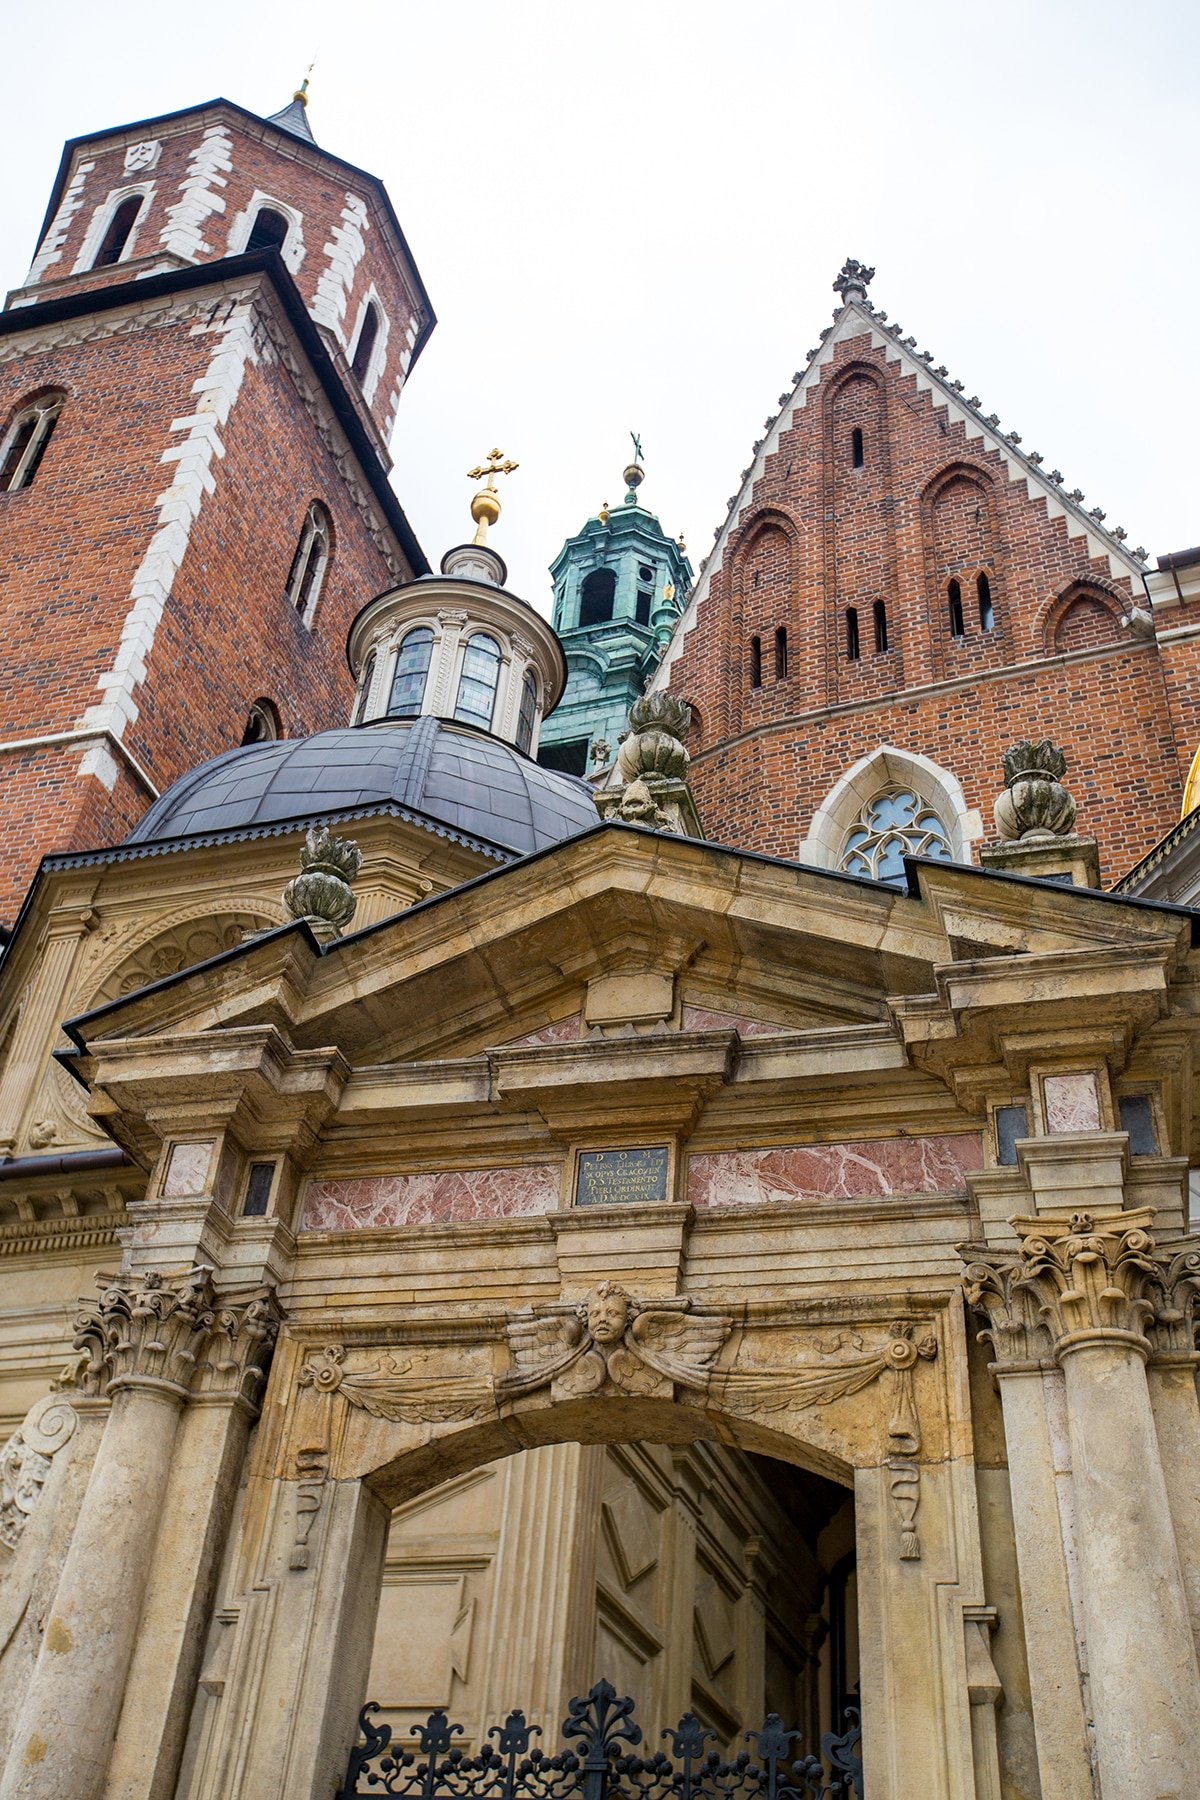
column 983, row 588
column 120, row 226
column 879, row 619
column 478, row 682
column 25, row 442
column 411, row 674
column 262, row 724
column 755, row 662
column 364, row 690
column 895, row 823
column 955, row 606
column 781, row 653
column 528, row 711
column 368, row 331
column 856, row 448
column 269, row 230
column 597, row 597
column 853, row 648
column 307, row 574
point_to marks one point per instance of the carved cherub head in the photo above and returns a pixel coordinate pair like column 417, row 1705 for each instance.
column 608, row 1310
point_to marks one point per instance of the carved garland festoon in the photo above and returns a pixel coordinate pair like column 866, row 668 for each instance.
column 1078, row 1280
column 176, row 1337
column 613, row 1344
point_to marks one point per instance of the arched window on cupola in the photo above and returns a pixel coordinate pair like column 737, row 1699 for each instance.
column 25, row 442
column 528, row 711
column 411, row 674
column 269, row 230
column 306, row 576
column 364, row 690
column 478, row 682
column 597, row 597
column 120, row 229
column 368, row 331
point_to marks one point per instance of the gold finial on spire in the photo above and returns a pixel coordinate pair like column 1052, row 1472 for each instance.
column 485, row 505
column 301, row 93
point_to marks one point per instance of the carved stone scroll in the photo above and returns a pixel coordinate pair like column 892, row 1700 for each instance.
column 395, row 1390
column 25, row 1462
column 783, row 1389
column 611, row 1343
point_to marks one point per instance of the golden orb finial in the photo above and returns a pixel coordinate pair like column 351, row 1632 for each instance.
column 485, row 505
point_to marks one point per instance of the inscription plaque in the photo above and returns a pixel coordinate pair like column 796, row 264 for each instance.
column 621, row 1177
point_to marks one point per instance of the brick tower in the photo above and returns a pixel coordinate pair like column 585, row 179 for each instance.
column 899, row 591
column 199, row 380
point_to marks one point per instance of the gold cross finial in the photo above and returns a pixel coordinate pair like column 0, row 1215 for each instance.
column 485, row 505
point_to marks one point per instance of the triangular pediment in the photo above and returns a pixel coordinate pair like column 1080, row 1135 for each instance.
column 621, row 942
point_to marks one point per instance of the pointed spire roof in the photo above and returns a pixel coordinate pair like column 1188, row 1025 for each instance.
column 857, row 316
column 294, row 116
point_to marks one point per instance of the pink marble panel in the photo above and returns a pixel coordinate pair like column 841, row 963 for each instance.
column 563, row 1031
column 698, row 1018
column 438, row 1197
column 187, row 1169
column 918, row 1165
column 1072, row 1103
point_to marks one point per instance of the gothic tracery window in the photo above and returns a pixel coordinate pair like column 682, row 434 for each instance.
column 895, row 823
column 25, row 442
column 307, row 574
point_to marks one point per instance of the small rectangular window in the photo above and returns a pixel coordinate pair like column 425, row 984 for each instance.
column 644, row 601
column 1137, row 1118
column 852, row 645
column 1011, row 1124
column 781, row 653
column 258, row 1190
column 755, row 662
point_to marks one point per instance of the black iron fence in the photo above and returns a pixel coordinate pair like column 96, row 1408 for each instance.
column 598, row 1760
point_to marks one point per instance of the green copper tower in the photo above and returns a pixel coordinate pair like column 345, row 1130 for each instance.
column 619, row 586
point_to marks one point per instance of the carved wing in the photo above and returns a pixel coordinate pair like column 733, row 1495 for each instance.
column 542, row 1346
column 775, row 1390
column 680, row 1345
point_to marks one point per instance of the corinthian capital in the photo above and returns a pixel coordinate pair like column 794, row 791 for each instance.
column 147, row 1332
column 1011, row 1320
column 238, row 1352
column 1090, row 1277
column 1177, row 1314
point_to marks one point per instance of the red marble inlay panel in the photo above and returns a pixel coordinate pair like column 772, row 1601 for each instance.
column 439, row 1197
column 699, row 1018
column 919, row 1165
column 563, row 1031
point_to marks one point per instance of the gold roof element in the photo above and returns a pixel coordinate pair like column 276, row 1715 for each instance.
column 485, row 505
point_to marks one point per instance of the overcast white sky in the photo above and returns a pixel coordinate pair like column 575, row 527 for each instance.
column 630, row 216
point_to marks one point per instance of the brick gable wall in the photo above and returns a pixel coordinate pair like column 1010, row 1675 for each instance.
column 928, row 506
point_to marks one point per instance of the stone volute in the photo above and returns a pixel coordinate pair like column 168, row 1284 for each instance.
column 1035, row 819
column 649, row 784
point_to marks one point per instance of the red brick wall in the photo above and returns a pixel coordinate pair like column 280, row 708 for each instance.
column 276, row 165
column 821, row 536
column 73, row 541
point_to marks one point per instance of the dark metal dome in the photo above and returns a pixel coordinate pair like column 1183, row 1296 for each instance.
column 464, row 778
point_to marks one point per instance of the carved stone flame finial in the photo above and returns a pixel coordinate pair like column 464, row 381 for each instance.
column 651, row 769
column 853, row 279
column 1034, row 803
column 321, row 894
